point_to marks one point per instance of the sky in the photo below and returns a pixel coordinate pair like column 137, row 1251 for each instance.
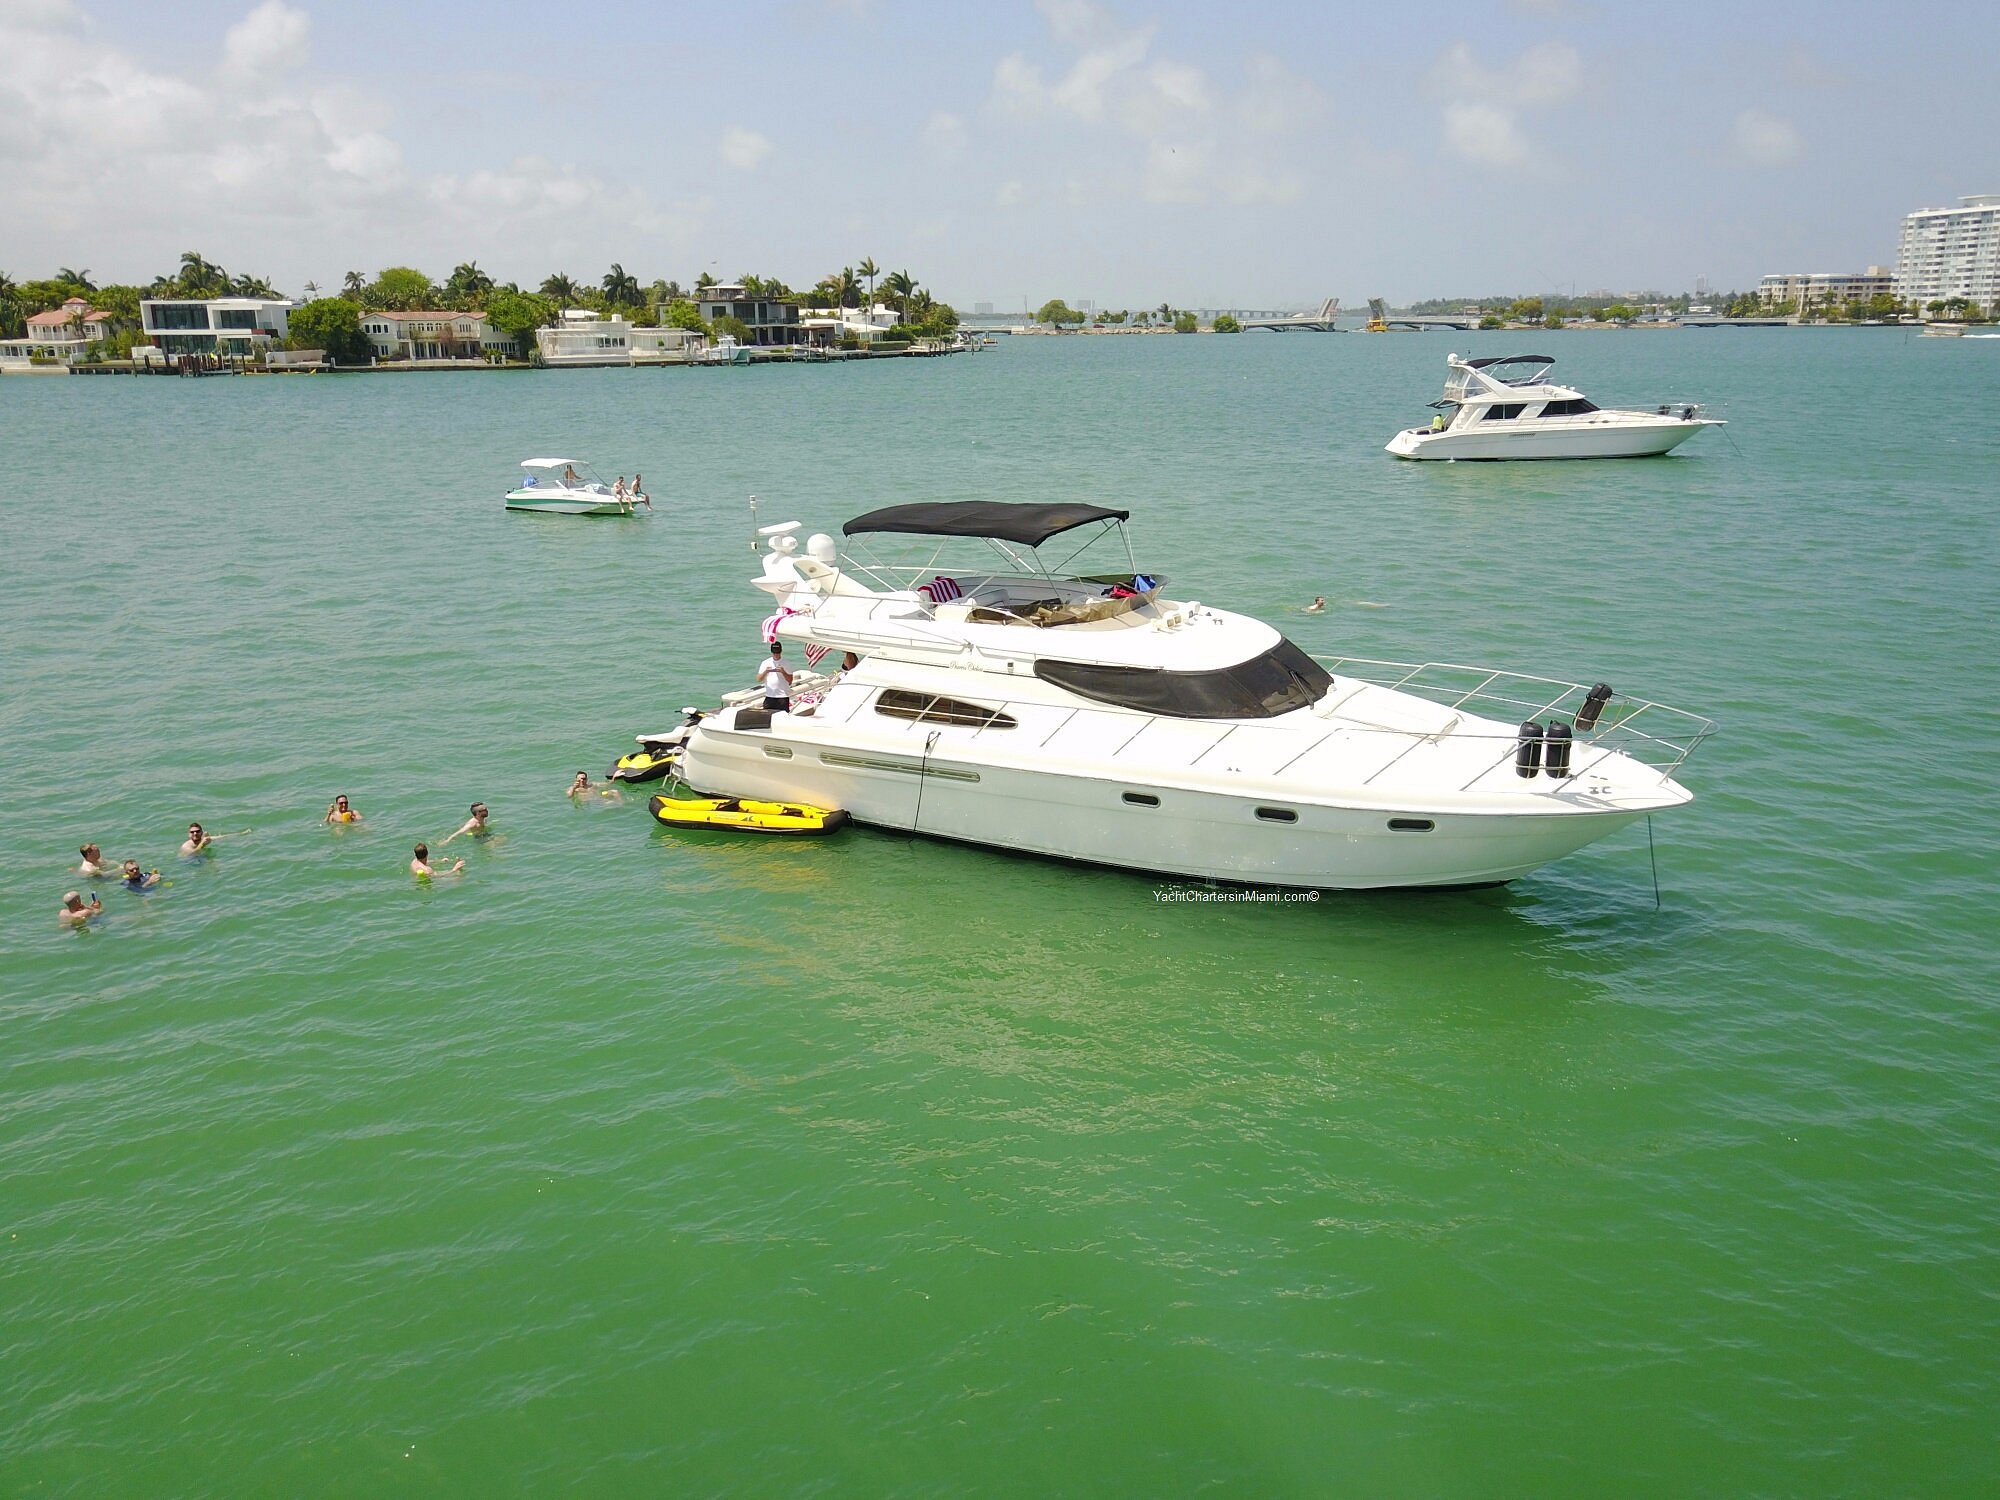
column 1120, row 152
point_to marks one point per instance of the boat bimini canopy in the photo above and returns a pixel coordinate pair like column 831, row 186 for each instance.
column 1027, row 525
column 551, row 463
column 1495, row 373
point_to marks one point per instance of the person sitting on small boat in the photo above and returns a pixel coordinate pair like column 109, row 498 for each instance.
column 137, row 879
column 777, row 680
column 340, row 812
column 639, row 494
column 1438, row 423
column 74, row 913
column 475, row 826
column 95, row 865
column 420, row 865
column 618, row 488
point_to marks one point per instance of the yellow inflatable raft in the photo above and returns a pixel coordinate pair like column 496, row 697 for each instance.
column 740, row 816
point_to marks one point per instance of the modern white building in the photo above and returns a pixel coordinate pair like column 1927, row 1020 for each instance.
column 215, row 325
column 1952, row 252
column 588, row 338
column 1806, row 291
column 61, row 335
column 430, row 337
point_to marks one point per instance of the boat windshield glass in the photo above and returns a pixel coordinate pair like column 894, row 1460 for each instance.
column 1281, row 680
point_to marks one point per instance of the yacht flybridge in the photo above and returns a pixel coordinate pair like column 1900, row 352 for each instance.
column 1023, row 703
column 1509, row 407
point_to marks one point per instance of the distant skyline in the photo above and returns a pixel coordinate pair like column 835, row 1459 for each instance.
column 1125, row 154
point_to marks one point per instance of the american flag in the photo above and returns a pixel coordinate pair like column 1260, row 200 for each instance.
column 815, row 651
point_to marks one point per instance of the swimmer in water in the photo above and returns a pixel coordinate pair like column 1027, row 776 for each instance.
column 197, row 841
column 136, row 879
column 1317, row 606
column 583, row 786
column 340, row 812
column 473, row 827
column 420, row 866
column 74, row 913
column 95, row 865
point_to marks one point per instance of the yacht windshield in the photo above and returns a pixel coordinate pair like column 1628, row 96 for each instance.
column 1281, row 680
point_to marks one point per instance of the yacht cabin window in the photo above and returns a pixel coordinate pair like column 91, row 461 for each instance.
column 1505, row 411
column 925, row 708
column 1570, row 408
column 1280, row 681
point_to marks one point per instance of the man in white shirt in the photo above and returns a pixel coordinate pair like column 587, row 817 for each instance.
column 777, row 680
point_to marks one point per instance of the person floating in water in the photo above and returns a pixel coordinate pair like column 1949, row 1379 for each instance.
column 197, row 841
column 136, row 879
column 583, row 786
column 420, row 866
column 95, row 865
column 340, row 812
column 74, row 913
column 1318, row 605
column 473, row 827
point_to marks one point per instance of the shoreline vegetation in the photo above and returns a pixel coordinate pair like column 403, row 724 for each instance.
column 332, row 323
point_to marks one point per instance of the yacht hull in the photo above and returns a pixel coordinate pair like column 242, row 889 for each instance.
column 1185, row 833
column 1608, row 440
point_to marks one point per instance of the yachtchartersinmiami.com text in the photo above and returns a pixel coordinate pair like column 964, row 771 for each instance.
column 1181, row 895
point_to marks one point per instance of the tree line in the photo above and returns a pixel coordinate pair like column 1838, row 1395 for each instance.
column 333, row 321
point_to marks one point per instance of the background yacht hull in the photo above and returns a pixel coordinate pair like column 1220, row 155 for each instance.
column 1197, row 835
column 1647, row 441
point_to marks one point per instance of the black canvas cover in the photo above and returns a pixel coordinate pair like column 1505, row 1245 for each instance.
column 1030, row 525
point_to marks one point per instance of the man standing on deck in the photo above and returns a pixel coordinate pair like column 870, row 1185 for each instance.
column 777, row 680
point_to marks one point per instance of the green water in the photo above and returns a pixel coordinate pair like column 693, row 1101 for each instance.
column 640, row 1163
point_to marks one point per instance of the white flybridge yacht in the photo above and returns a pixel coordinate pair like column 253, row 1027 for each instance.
column 1026, row 705
column 1508, row 407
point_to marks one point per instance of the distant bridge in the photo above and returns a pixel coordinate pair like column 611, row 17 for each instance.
column 1312, row 322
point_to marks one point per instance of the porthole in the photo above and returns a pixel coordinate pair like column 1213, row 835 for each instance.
column 1411, row 825
column 778, row 752
column 1277, row 815
column 1142, row 799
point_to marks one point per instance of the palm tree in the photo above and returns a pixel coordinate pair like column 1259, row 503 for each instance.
column 252, row 286
column 621, row 287
column 312, row 291
column 201, row 277
column 1166, row 312
column 468, row 283
column 900, row 285
column 560, row 288
column 704, row 281
column 78, row 278
column 869, row 269
column 353, row 284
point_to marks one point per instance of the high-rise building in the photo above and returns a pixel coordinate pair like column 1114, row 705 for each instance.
column 1952, row 252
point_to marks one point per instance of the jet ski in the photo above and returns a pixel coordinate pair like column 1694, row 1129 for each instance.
column 657, row 754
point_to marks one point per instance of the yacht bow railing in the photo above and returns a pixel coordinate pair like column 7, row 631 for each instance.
column 1653, row 734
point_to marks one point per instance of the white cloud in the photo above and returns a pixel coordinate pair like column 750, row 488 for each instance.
column 272, row 38
column 744, row 150
column 1481, row 105
column 1485, row 133
column 95, row 143
column 1764, row 140
column 1193, row 143
column 943, row 135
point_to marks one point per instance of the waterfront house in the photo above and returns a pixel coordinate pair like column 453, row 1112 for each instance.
column 425, row 337
column 1815, row 291
column 829, row 325
column 213, row 325
column 61, row 335
column 771, row 320
column 584, row 337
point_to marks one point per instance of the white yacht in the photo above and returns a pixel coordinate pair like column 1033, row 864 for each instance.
column 1024, row 704
column 1508, row 407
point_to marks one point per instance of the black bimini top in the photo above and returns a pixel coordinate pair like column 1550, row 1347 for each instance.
column 1512, row 359
column 1030, row 525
